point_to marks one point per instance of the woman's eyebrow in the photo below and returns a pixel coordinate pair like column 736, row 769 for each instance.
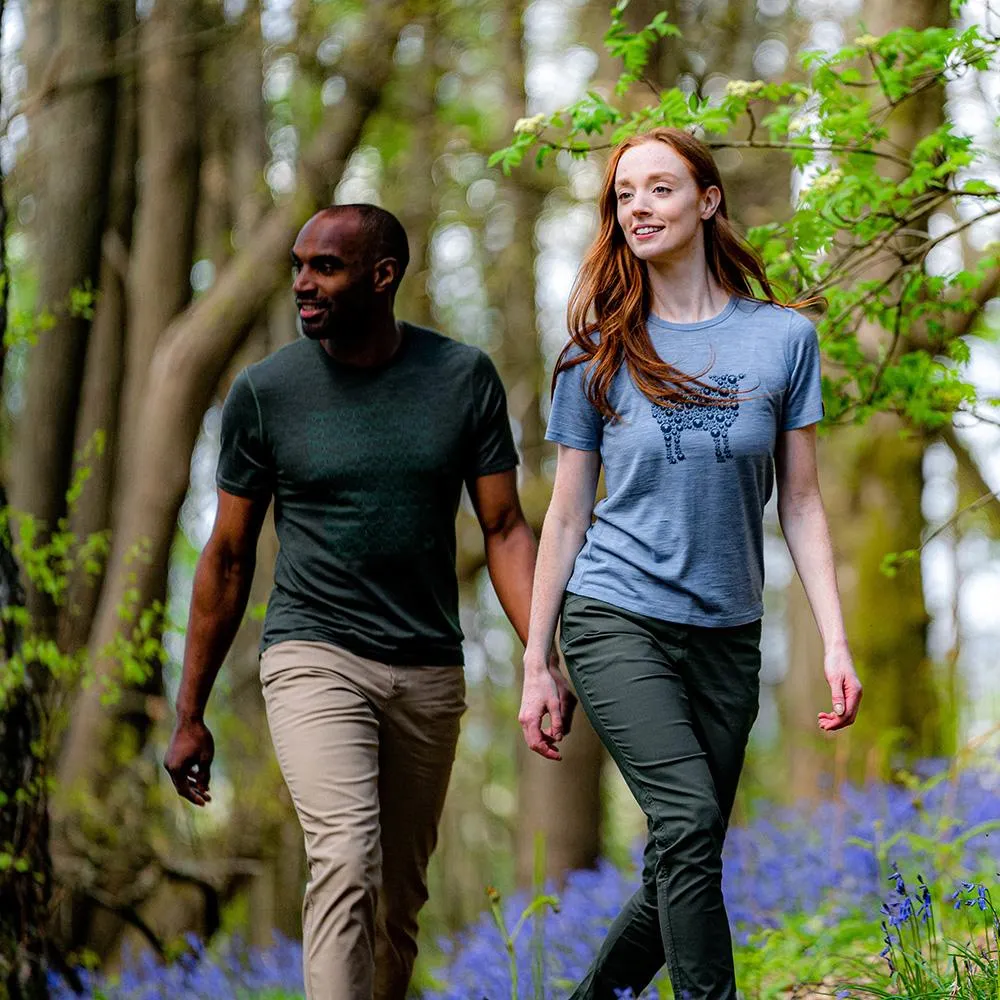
column 658, row 176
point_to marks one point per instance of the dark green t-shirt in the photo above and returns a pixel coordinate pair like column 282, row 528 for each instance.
column 366, row 468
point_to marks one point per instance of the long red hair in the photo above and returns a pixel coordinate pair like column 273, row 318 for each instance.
column 611, row 294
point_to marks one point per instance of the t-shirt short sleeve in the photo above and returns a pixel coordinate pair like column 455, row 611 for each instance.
column 492, row 447
column 803, row 402
column 573, row 420
column 245, row 464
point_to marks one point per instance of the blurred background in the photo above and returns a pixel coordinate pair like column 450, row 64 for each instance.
column 158, row 159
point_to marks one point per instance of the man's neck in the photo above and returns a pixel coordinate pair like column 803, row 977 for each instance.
column 375, row 344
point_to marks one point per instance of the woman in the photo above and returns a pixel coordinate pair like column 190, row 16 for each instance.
column 692, row 387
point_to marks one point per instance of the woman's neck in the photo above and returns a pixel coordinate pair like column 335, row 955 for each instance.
column 685, row 291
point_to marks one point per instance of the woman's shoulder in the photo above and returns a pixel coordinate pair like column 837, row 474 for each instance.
column 786, row 321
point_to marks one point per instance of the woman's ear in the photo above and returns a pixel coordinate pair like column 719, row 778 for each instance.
column 710, row 202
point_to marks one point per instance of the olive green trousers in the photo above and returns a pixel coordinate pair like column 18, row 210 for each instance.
column 674, row 705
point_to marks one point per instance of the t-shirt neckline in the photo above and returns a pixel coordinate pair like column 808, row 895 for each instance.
column 370, row 371
column 663, row 324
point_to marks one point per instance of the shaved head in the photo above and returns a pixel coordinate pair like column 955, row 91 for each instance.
column 381, row 233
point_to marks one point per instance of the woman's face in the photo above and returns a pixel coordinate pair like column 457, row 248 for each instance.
column 660, row 208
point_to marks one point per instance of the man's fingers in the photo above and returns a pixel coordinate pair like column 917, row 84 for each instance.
column 186, row 785
column 204, row 772
column 191, row 784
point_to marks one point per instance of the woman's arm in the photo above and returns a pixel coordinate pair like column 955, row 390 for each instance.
column 565, row 527
column 803, row 522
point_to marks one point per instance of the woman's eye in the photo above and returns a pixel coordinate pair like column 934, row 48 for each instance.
column 661, row 188
column 622, row 195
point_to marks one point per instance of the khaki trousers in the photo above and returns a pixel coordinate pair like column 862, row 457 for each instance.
column 366, row 751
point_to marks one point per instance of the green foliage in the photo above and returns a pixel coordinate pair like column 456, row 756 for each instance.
column 634, row 48
column 39, row 673
column 25, row 325
column 535, row 908
column 858, row 239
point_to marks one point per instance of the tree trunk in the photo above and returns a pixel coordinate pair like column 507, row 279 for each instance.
column 63, row 38
column 24, row 895
column 411, row 188
column 71, row 195
column 159, row 285
column 886, row 618
column 96, row 441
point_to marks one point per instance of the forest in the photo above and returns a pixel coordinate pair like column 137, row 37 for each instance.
column 158, row 159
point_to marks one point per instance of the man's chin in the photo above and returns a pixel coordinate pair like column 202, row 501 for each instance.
column 316, row 331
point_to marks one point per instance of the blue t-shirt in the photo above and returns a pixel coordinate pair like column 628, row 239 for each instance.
column 680, row 534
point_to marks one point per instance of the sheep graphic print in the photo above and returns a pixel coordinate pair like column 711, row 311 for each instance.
column 693, row 415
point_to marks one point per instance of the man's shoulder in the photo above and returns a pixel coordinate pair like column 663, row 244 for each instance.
column 438, row 347
column 280, row 363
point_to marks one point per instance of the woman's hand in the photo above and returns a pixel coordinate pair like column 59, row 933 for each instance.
column 845, row 689
column 545, row 692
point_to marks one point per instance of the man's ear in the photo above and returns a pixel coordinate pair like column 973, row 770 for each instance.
column 385, row 273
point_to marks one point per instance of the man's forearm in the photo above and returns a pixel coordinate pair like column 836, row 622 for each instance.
column 219, row 598
column 510, row 558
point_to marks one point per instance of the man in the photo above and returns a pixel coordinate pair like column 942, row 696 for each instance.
column 363, row 433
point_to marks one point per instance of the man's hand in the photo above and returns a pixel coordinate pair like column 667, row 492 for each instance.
column 189, row 760
column 545, row 692
column 845, row 690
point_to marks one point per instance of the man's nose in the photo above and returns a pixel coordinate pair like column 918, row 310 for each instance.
column 303, row 282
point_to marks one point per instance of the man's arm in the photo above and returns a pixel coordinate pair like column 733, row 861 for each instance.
column 510, row 544
column 510, row 557
column 221, row 590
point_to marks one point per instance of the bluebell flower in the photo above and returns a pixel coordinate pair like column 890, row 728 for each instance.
column 897, row 877
column 926, row 908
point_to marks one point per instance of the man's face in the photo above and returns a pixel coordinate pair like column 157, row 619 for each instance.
column 334, row 278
